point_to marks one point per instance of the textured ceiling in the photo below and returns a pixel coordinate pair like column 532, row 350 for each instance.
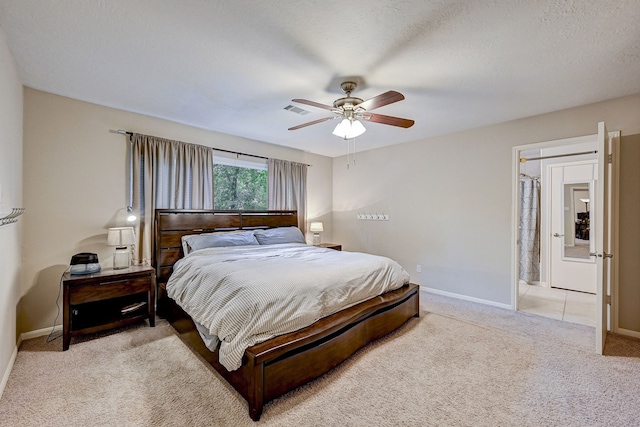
column 232, row 66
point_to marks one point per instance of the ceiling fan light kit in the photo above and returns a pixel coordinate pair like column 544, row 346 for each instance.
column 348, row 129
column 351, row 111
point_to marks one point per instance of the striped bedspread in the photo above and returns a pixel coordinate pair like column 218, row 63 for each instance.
column 244, row 295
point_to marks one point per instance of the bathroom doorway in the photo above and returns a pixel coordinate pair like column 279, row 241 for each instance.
column 602, row 220
column 555, row 280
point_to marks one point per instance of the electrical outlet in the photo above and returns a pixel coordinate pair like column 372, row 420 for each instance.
column 419, row 268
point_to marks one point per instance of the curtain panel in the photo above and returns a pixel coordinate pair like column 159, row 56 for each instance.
column 167, row 174
column 529, row 229
column 287, row 182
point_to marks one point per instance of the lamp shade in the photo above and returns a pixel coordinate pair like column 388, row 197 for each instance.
column 316, row 227
column 121, row 236
column 348, row 129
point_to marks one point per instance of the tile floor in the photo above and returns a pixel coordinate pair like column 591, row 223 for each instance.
column 570, row 306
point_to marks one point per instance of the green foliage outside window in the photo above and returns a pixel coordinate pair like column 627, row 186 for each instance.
column 239, row 188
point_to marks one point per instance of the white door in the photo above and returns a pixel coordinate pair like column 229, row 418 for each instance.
column 605, row 239
column 571, row 266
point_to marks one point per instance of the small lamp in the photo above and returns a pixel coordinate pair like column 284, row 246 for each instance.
column 131, row 216
column 121, row 237
column 316, row 228
column 125, row 217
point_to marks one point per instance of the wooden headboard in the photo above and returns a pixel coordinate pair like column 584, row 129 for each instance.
column 171, row 224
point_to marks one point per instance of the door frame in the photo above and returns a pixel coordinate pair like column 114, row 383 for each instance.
column 607, row 226
column 515, row 210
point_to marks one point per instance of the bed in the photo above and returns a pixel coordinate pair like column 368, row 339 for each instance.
column 273, row 367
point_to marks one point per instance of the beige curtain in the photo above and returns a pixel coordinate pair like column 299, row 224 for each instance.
column 288, row 188
column 167, row 175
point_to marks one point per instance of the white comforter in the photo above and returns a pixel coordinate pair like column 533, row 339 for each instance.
column 248, row 294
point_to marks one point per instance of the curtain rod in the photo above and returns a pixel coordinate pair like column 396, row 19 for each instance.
column 237, row 153
column 523, row 160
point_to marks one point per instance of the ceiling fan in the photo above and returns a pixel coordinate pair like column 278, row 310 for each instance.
column 351, row 110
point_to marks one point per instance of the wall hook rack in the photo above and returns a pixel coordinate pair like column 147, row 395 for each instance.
column 374, row 217
column 12, row 217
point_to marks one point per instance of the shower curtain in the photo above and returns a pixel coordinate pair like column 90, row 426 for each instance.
column 529, row 229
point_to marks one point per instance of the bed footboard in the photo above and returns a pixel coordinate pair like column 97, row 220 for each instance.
column 274, row 367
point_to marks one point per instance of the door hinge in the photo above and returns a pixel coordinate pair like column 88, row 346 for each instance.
column 607, row 299
column 610, row 158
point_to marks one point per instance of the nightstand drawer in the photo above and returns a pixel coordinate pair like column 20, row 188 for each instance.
column 107, row 289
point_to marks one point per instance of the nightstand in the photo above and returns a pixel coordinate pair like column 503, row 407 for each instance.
column 107, row 299
column 330, row 246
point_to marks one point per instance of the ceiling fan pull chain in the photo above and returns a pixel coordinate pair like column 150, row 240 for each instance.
column 354, row 151
column 348, row 153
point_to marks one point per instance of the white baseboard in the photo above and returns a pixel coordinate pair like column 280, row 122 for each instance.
column 465, row 297
column 38, row 333
column 7, row 371
column 628, row 332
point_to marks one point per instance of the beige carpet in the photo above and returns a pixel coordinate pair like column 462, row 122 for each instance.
column 460, row 364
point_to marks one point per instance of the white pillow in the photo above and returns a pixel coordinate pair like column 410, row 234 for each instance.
column 193, row 242
column 272, row 236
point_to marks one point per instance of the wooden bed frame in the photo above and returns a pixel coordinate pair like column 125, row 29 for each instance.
column 274, row 367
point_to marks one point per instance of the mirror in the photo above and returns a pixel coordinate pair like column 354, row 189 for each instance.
column 577, row 220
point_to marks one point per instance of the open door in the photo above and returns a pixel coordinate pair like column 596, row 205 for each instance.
column 571, row 202
column 606, row 198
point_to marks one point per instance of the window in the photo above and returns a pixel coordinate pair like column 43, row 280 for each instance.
column 239, row 184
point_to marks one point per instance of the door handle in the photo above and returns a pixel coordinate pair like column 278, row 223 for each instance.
column 557, row 235
column 606, row 255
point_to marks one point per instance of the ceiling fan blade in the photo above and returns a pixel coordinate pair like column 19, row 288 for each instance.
column 381, row 100
column 313, row 104
column 388, row 120
column 312, row 123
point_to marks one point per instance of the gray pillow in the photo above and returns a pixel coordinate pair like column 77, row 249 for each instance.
column 193, row 242
column 274, row 236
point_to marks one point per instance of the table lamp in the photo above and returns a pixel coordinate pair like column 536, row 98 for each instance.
column 316, row 228
column 121, row 238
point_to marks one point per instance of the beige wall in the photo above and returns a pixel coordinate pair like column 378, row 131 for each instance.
column 75, row 181
column 449, row 198
column 449, row 201
column 629, row 259
column 11, row 189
